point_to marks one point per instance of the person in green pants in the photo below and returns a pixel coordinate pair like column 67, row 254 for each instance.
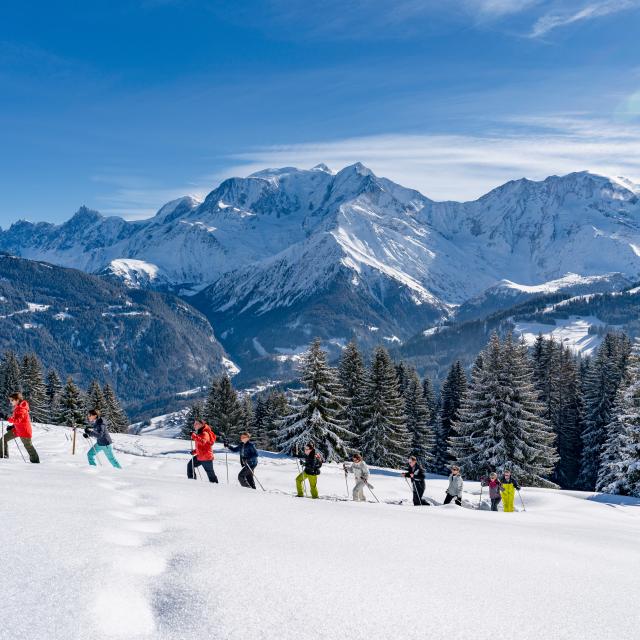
column 312, row 462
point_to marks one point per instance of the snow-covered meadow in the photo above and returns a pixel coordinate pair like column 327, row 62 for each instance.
column 144, row 553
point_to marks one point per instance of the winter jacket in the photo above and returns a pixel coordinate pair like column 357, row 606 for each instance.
column 359, row 469
column 417, row 471
column 310, row 462
column 513, row 480
column 455, row 486
column 495, row 486
column 99, row 431
column 21, row 421
column 204, row 439
column 248, row 454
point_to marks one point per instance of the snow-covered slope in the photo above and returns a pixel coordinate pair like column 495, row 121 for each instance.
column 143, row 553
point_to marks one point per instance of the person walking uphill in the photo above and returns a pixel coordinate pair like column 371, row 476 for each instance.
column 98, row 429
column 248, row 459
column 416, row 473
column 204, row 439
column 360, row 472
column 454, row 490
column 495, row 486
column 312, row 462
column 20, row 428
column 509, row 487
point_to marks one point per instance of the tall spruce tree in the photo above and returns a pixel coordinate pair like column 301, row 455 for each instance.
column 418, row 423
column 602, row 380
column 70, row 407
column 619, row 471
column 114, row 414
column 195, row 413
column 9, row 380
column 53, row 391
column 33, row 388
column 247, row 413
column 501, row 421
column 453, row 389
column 210, row 409
column 94, row 398
column 228, row 417
column 259, row 427
column 351, row 373
column 318, row 411
column 277, row 408
column 385, row 440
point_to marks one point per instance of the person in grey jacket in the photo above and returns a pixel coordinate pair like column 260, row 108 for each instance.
column 360, row 471
column 454, row 490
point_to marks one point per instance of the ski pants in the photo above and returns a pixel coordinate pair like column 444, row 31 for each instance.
column 207, row 465
column 313, row 484
column 108, row 452
column 245, row 477
column 418, row 490
column 508, row 496
column 358, row 490
column 494, row 503
column 28, row 445
column 448, row 498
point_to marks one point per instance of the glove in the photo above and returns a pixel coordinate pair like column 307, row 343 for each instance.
column 85, row 435
column 11, row 428
column 226, row 444
column 2, row 416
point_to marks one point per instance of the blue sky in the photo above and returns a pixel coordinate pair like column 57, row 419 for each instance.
column 124, row 105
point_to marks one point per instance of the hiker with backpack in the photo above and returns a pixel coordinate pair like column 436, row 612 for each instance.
column 495, row 487
column 248, row 459
column 415, row 473
column 203, row 440
column 98, row 429
column 20, row 428
column 360, row 471
column 454, row 490
column 312, row 461
column 509, row 487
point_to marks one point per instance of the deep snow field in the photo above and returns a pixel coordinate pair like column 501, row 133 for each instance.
column 145, row 553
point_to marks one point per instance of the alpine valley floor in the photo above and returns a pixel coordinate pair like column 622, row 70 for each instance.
column 97, row 553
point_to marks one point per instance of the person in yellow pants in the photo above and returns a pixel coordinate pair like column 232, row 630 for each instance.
column 312, row 462
column 509, row 487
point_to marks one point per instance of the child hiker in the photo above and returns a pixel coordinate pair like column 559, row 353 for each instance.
column 360, row 471
column 312, row 462
column 495, row 486
column 454, row 490
column 98, row 429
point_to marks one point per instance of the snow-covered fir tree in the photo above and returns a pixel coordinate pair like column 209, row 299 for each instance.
column 451, row 394
column 33, row 388
column 94, row 398
column 9, row 380
column 318, row 411
column 114, row 414
column 194, row 413
column 619, row 471
column 501, row 421
column 602, row 380
column 259, row 426
column 418, row 423
column 247, row 413
column 71, row 406
column 223, row 410
column 385, row 440
column 429, row 396
column 277, row 408
column 53, row 391
column 351, row 373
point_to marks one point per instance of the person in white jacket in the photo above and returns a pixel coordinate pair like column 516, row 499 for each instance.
column 360, row 471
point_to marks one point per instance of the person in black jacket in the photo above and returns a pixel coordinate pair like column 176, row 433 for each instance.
column 248, row 459
column 98, row 429
column 416, row 474
column 312, row 462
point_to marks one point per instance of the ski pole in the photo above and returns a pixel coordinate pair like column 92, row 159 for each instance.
column 20, row 450
column 371, row 490
column 226, row 463
column 346, row 481
column 255, row 477
column 2, row 442
column 521, row 500
column 480, row 501
column 304, row 484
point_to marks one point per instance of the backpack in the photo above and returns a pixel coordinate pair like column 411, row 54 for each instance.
column 318, row 463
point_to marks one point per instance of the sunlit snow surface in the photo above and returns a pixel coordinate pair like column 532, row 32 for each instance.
column 572, row 332
column 143, row 553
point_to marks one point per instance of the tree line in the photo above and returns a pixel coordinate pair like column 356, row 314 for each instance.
column 50, row 401
column 551, row 416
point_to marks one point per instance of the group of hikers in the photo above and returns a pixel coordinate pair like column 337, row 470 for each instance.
column 203, row 438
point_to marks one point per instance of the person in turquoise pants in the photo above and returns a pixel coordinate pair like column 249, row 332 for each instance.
column 98, row 429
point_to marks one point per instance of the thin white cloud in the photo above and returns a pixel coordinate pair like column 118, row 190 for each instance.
column 598, row 9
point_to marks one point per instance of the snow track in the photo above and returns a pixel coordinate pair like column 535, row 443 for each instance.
column 145, row 554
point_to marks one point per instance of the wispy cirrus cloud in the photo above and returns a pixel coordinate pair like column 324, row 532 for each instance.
column 567, row 16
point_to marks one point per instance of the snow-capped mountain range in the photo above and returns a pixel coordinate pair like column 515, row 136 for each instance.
column 285, row 254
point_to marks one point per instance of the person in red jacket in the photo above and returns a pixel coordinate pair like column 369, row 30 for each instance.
column 20, row 428
column 203, row 439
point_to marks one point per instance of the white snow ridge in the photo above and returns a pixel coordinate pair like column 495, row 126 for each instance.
column 143, row 553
